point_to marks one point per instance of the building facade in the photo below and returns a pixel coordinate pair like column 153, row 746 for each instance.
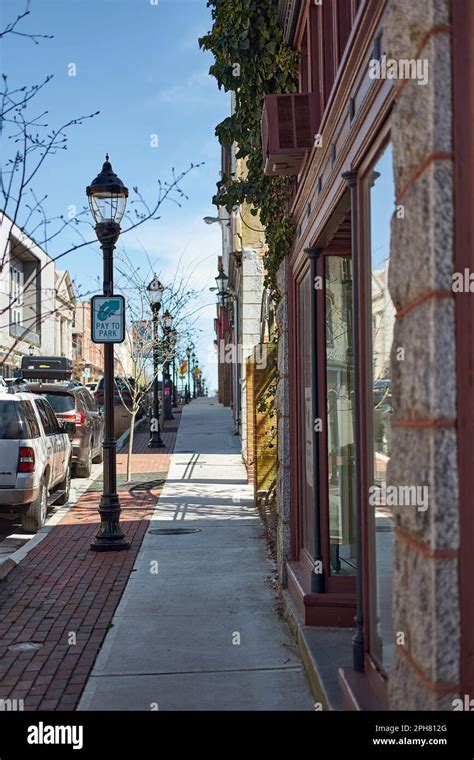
column 27, row 298
column 375, row 351
column 64, row 314
column 88, row 357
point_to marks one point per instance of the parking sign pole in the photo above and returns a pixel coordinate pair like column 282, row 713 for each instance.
column 110, row 536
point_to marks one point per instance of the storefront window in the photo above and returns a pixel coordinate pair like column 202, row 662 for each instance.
column 306, row 416
column 340, row 410
column 381, row 192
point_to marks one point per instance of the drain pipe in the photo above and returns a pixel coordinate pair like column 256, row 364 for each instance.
column 358, row 647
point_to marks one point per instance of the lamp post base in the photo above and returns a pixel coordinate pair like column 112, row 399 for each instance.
column 155, row 442
column 110, row 537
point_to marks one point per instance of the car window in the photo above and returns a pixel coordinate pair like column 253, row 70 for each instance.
column 45, row 418
column 30, row 418
column 10, row 423
column 52, row 418
column 61, row 402
column 91, row 405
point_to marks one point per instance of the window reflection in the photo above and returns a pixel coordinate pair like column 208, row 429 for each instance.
column 340, row 400
column 381, row 203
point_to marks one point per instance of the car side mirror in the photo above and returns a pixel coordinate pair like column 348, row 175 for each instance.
column 69, row 427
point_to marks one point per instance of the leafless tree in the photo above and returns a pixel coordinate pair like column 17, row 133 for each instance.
column 33, row 141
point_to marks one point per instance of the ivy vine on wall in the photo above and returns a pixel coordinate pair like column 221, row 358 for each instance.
column 252, row 60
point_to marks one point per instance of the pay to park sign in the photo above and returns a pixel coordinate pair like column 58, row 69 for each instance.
column 108, row 319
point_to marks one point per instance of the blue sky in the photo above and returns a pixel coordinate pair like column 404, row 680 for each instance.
column 139, row 63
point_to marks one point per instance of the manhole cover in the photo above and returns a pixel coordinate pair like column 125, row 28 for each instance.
column 173, row 531
column 25, row 646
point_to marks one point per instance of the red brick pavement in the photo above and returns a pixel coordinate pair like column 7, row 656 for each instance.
column 63, row 596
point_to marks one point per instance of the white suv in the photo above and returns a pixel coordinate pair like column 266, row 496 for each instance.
column 35, row 457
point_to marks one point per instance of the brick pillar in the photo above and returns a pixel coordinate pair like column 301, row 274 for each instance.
column 425, row 586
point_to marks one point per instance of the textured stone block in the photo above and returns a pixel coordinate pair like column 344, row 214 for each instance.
column 282, row 400
column 284, row 441
column 283, row 549
column 423, row 362
column 283, row 486
column 419, row 126
column 282, row 277
column 426, row 611
column 421, row 251
column 427, row 458
column 407, row 692
column 407, row 22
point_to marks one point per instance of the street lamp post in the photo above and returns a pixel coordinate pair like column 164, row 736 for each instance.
column 189, row 351
column 155, row 293
column 167, row 321
column 194, row 376
column 174, row 334
column 221, row 282
column 107, row 199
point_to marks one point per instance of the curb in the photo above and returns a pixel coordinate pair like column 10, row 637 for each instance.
column 126, row 434
column 9, row 564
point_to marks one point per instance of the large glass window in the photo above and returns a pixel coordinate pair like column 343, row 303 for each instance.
column 340, row 411
column 306, row 416
column 381, row 195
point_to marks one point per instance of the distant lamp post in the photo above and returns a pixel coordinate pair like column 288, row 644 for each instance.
column 167, row 321
column 189, row 351
column 107, row 200
column 221, row 282
column 155, row 294
column 194, row 375
column 215, row 219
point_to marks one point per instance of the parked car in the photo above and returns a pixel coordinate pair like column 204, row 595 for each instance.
column 73, row 402
column 35, row 456
column 122, row 393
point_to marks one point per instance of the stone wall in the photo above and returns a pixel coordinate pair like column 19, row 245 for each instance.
column 283, row 481
column 251, row 287
column 425, row 671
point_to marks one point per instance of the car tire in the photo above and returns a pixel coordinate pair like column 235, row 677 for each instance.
column 66, row 487
column 84, row 470
column 35, row 516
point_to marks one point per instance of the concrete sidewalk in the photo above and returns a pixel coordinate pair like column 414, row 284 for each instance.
column 197, row 626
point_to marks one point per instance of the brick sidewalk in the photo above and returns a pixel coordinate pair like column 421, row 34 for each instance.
column 63, row 596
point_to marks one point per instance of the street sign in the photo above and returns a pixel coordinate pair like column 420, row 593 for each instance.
column 142, row 338
column 108, row 319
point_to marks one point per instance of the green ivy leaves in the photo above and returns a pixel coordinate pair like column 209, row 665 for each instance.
column 247, row 40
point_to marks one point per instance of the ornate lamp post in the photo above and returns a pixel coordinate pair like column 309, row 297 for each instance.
column 155, row 293
column 221, row 282
column 107, row 200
